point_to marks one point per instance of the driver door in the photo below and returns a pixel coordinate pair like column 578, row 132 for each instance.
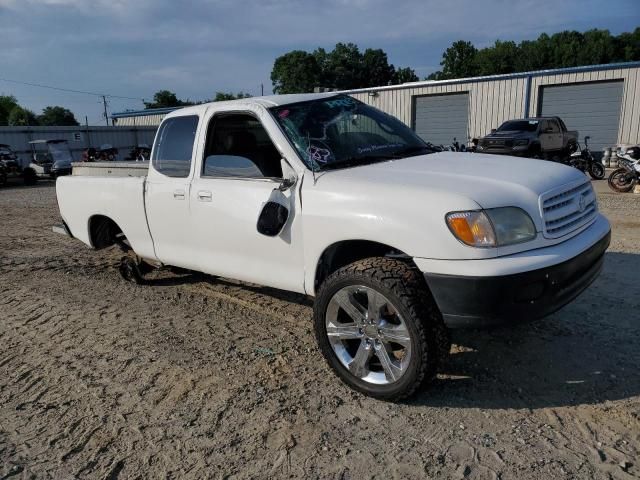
column 239, row 172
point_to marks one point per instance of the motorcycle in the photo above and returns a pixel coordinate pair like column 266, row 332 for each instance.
column 454, row 147
column 141, row 153
column 583, row 160
column 627, row 176
column 106, row 153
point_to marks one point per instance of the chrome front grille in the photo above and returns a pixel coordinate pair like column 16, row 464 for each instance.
column 566, row 209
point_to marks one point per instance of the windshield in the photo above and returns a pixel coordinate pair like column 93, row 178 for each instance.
column 341, row 131
column 519, row 126
column 60, row 152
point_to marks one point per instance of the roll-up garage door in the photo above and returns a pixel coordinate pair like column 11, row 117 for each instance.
column 590, row 108
column 440, row 118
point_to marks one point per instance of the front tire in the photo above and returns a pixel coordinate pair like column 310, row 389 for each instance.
column 379, row 329
column 622, row 181
column 597, row 171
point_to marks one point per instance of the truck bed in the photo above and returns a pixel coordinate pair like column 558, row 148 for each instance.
column 110, row 169
column 102, row 190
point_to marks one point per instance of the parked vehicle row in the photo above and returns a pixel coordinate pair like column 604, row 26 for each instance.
column 49, row 159
column 324, row 195
column 11, row 168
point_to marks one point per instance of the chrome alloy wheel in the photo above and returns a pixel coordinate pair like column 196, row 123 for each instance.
column 368, row 334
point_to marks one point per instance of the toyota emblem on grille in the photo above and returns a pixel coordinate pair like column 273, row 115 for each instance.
column 582, row 204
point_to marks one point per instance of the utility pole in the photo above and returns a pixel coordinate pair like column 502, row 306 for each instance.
column 104, row 103
column 262, row 89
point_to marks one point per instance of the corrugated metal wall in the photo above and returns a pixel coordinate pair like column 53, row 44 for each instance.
column 492, row 101
column 139, row 120
column 629, row 130
column 79, row 138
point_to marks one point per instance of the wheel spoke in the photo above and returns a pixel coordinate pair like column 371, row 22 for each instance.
column 359, row 364
column 395, row 333
column 344, row 331
column 391, row 371
column 375, row 303
column 347, row 303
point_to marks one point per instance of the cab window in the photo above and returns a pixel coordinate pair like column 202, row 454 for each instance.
column 174, row 146
column 238, row 146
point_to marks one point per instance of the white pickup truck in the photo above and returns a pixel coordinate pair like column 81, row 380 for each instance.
column 324, row 195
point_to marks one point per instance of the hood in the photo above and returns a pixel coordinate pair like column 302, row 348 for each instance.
column 488, row 180
column 510, row 134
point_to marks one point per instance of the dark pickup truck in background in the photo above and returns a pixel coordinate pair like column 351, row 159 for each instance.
column 540, row 137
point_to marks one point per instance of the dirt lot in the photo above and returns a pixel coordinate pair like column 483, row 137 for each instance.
column 197, row 377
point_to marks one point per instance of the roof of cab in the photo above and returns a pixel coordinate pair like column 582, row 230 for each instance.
column 266, row 101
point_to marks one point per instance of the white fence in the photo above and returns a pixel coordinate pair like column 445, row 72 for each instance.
column 79, row 138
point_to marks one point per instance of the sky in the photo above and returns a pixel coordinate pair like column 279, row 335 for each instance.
column 133, row 48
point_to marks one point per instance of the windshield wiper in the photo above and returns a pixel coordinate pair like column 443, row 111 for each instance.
column 355, row 161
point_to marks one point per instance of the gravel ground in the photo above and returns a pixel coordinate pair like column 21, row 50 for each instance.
column 197, row 377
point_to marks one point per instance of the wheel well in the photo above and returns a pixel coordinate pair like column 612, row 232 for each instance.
column 103, row 232
column 346, row 252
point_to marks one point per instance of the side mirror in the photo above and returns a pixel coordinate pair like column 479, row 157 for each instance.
column 493, row 130
column 272, row 219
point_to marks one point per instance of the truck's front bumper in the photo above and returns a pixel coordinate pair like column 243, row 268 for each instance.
column 479, row 301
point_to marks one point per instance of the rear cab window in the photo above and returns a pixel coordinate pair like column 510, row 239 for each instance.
column 173, row 151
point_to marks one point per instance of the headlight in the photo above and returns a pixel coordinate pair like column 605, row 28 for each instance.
column 521, row 142
column 495, row 227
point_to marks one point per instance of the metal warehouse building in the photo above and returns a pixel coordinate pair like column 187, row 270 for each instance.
column 602, row 101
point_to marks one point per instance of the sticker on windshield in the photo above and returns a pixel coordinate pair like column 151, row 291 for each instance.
column 375, row 148
column 318, row 154
column 341, row 102
column 283, row 114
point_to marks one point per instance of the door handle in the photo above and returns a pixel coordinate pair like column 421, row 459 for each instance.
column 204, row 196
column 178, row 194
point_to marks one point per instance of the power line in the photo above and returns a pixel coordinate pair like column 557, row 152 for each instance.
column 69, row 89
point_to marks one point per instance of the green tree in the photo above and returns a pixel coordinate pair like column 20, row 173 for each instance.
column 459, row 61
column 165, row 99
column 295, row 72
column 598, row 47
column 221, row 96
column 404, row 75
column 375, row 69
column 565, row 48
column 501, row 58
column 344, row 63
column 57, row 116
column 344, row 67
column 7, row 103
column 628, row 46
column 20, row 116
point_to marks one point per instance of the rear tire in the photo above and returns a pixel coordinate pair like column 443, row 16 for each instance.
column 597, row 171
column 622, row 181
column 379, row 329
column 3, row 179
